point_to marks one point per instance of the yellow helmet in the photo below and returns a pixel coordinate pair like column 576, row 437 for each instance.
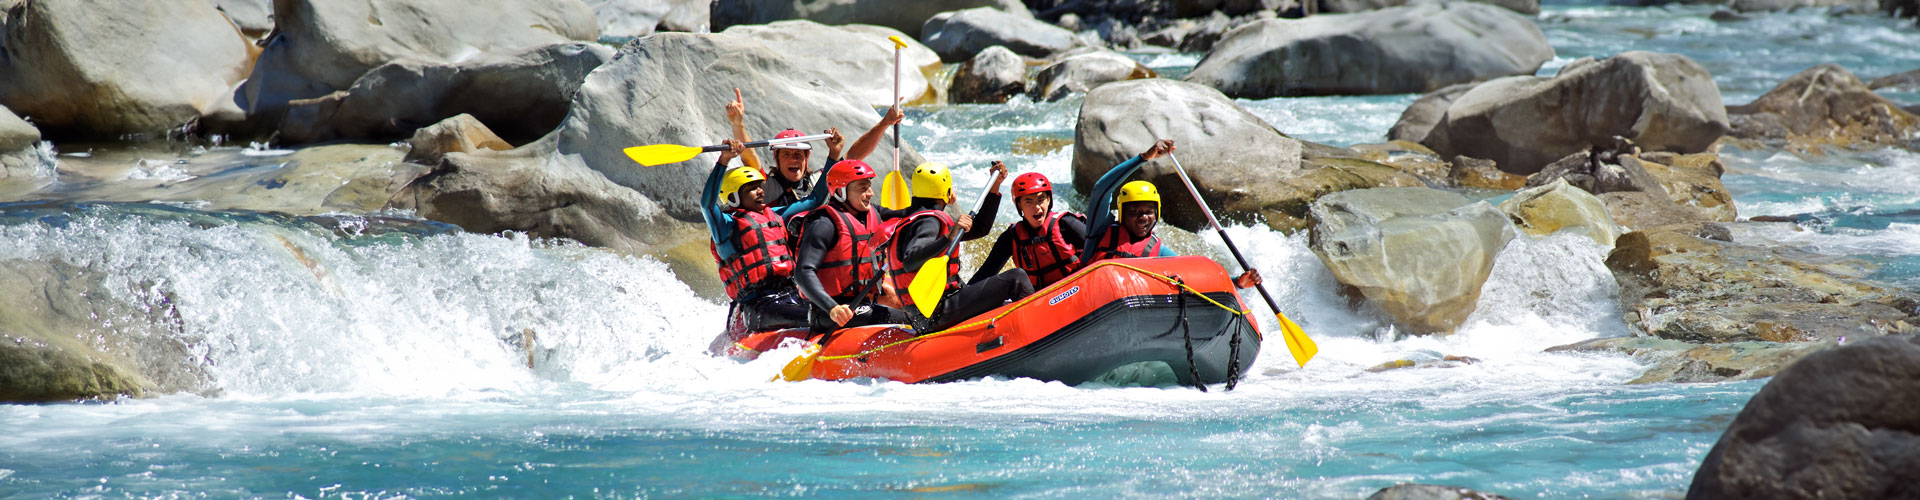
column 932, row 180
column 1138, row 191
column 731, row 183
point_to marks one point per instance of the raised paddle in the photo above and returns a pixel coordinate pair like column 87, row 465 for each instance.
column 1298, row 343
column 931, row 281
column 894, row 193
column 662, row 154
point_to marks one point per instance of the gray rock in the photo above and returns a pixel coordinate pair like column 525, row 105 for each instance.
column 460, row 134
column 1637, row 210
column 82, row 70
column 1693, row 182
column 1908, row 81
column 1557, row 206
column 1084, row 69
column 1673, row 361
column 523, row 96
column 1824, row 105
column 1411, row 491
column 254, row 17
column 1233, row 156
column 16, row 134
column 1420, row 117
column 1840, row 423
column 1659, row 102
column 54, row 350
column 1417, row 48
column 993, row 76
column 1420, row 254
column 638, row 18
column 326, row 46
column 856, row 56
column 958, row 35
column 908, row 17
column 1528, row 7
column 1599, row 172
column 1777, row 5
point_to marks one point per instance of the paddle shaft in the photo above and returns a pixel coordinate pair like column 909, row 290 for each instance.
column 1223, row 232
column 768, row 142
column 896, row 102
column 977, row 204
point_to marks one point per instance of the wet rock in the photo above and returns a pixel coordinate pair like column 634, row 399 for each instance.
column 81, row 70
column 254, row 17
column 1693, row 181
column 638, row 18
column 24, row 165
column 1659, row 102
column 54, row 349
column 993, row 76
column 958, row 35
column 1408, row 157
column 1528, row 7
column 1424, row 359
column 1908, row 81
column 1673, row 361
column 1677, row 284
column 908, row 17
column 1780, row 5
column 1823, row 106
column 1411, row 491
column 1483, row 174
column 1548, row 209
column 1420, row 254
column 1420, row 117
column 1840, row 423
column 1082, row 70
column 858, row 57
column 326, row 46
column 1727, row 16
column 460, row 134
column 1637, row 210
column 1599, row 172
column 1417, row 48
column 523, row 96
column 16, row 134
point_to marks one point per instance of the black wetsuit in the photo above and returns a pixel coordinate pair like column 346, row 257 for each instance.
column 921, row 240
column 817, row 237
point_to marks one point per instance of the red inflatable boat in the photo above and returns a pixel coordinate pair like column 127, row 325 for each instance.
column 1180, row 311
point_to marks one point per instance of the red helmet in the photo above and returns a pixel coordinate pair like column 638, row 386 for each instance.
column 1029, row 183
column 846, row 172
column 789, row 134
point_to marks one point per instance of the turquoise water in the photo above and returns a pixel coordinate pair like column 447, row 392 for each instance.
column 379, row 357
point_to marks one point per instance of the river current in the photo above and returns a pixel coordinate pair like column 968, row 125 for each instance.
column 380, row 356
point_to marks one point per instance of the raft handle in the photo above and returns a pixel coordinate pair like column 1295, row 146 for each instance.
column 989, row 345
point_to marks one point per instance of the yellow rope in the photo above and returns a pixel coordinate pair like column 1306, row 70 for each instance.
column 1023, row 302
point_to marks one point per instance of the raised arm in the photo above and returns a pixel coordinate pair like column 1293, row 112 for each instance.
column 1099, row 208
column 737, row 115
column 868, row 141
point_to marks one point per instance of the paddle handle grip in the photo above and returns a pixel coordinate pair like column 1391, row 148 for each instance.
column 768, row 142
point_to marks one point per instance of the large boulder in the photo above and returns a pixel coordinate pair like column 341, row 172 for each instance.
column 1420, row 254
column 253, row 17
column 1685, row 282
column 1528, row 7
column 1548, row 209
column 1673, row 361
column 623, row 103
column 958, row 35
column 1082, row 70
column 1413, row 491
column 325, row 46
column 82, row 70
column 1401, row 50
column 522, row 96
column 1842, row 423
column 1692, row 181
column 638, row 18
column 991, row 77
column 16, row 134
column 857, row 56
column 1659, row 102
column 461, row 134
column 53, row 348
column 1420, row 117
column 908, row 17
column 1825, row 105
column 345, row 178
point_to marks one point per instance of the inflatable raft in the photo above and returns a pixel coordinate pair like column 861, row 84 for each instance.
column 1180, row 311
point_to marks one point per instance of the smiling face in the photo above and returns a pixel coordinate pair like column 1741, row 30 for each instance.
column 791, row 163
column 860, row 195
column 1034, row 207
column 1139, row 217
column 753, row 196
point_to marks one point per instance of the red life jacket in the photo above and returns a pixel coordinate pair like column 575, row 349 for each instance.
column 1044, row 253
column 903, row 277
column 853, row 262
column 1113, row 245
column 760, row 254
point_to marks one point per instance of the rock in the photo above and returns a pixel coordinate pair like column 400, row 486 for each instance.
column 638, row 18
column 1673, row 361
column 16, row 134
column 54, row 349
column 1320, row 176
column 858, row 57
column 620, row 105
column 460, row 134
column 1483, row 174
column 958, row 35
column 1838, row 424
column 86, row 71
column 1677, row 285
column 1209, row 31
column 24, row 165
column 1424, row 359
column 1637, row 210
column 1727, row 16
column 1420, row 117
column 993, row 76
column 1599, row 172
column 1825, row 105
column 1901, row 8
column 1417, row 48
column 1411, row 491
column 1659, row 102
column 523, row 96
column 1693, row 181
column 1544, row 210
column 1778, row 5
column 1528, row 7
column 1083, row 70
column 1908, row 82
column 326, row 46
column 1412, row 158
column 254, row 17
column 1420, row 254
column 908, row 17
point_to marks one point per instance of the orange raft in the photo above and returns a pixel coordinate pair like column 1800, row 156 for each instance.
column 1180, row 311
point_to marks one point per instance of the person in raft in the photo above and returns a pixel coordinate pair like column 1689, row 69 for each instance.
column 1044, row 244
column 841, row 255
column 928, row 231
column 791, row 179
column 749, row 241
column 1139, row 205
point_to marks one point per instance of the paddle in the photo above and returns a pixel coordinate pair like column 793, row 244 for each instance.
column 801, row 368
column 662, row 154
column 894, row 193
column 1298, row 343
column 931, row 281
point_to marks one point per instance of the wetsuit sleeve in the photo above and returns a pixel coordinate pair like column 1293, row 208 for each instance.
column 983, row 221
column 811, row 251
column 919, row 241
column 1100, row 201
column 719, row 222
column 1166, row 252
column 996, row 258
column 1073, row 228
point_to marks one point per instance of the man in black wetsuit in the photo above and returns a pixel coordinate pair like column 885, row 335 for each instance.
column 927, row 231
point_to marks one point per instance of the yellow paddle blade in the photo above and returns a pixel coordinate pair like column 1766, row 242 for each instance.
column 894, row 193
column 661, row 154
column 801, row 368
column 927, row 286
column 1298, row 342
